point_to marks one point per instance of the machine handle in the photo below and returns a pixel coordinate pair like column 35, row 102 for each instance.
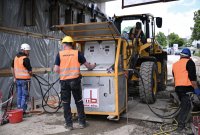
column 86, row 84
column 109, row 87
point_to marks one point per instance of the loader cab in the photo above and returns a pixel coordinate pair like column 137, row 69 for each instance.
column 125, row 23
column 145, row 57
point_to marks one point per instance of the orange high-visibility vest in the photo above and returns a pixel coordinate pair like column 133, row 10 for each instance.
column 20, row 71
column 180, row 73
column 69, row 64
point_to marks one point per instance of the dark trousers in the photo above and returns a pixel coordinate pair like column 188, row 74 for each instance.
column 67, row 87
column 185, row 107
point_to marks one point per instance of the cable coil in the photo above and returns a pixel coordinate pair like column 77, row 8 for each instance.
column 46, row 96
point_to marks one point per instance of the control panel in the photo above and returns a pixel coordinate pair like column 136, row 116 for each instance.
column 101, row 53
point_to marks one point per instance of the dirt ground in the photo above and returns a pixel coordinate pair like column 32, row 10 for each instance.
column 48, row 124
column 52, row 124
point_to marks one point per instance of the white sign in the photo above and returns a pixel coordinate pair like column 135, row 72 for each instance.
column 91, row 97
column 175, row 46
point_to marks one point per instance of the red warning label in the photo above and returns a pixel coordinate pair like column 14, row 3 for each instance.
column 91, row 97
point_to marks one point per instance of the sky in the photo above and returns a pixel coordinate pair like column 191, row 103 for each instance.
column 177, row 15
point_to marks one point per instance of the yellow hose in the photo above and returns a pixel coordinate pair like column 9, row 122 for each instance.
column 195, row 112
column 167, row 132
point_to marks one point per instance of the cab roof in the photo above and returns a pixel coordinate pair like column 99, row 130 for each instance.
column 134, row 16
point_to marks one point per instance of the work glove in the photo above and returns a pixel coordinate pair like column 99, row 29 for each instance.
column 197, row 91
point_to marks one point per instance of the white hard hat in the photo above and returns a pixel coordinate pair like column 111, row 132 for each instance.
column 25, row 46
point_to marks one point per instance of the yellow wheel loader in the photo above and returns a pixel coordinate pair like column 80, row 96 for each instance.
column 144, row 55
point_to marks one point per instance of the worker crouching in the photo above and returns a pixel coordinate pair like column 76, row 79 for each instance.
column 67, row 64
column 184, row 72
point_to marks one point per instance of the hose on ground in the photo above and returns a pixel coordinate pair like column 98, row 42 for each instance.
column 169, row 116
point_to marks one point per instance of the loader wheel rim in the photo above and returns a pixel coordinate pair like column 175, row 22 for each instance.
column 154, row 83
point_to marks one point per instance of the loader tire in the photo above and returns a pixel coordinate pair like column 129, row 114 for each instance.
column 163, row 77
column 148, row 82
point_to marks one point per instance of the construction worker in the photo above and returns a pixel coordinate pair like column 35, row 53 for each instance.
column 137, row 33
column 67, row 64
column 22, row 71
column 184, row 72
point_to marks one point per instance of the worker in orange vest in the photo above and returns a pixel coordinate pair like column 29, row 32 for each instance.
column 67, row 64
column 22, row 71
column 185, row 78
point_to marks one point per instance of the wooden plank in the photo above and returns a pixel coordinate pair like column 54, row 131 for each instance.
column 7, row 72
column 25, row 33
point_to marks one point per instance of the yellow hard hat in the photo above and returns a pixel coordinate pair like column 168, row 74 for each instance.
column 67, row 39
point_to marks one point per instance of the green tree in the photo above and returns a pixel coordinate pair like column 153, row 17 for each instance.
column 181, row 42
column 161, row 38
column 196, row 28
column 175, row 39
column 188, row 43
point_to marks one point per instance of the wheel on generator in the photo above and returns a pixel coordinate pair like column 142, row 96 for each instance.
column 163, row 76
column 148, row 82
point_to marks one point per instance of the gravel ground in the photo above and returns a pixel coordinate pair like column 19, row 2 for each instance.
column 47, row 124
column 52, row 124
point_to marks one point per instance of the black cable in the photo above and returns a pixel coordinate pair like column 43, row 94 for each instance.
column 161, row 116
column 46, row 94
column 45, row 101
column 11, row 94
column 8, row 104
column 59, row 105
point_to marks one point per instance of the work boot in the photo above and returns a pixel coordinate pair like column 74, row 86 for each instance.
column 81, row 114
column 81, row 125
column 69, row 127
column 26, row 115
column 185, row 131
column 180, row 127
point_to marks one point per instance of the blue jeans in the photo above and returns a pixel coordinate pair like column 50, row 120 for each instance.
column 22, row 93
